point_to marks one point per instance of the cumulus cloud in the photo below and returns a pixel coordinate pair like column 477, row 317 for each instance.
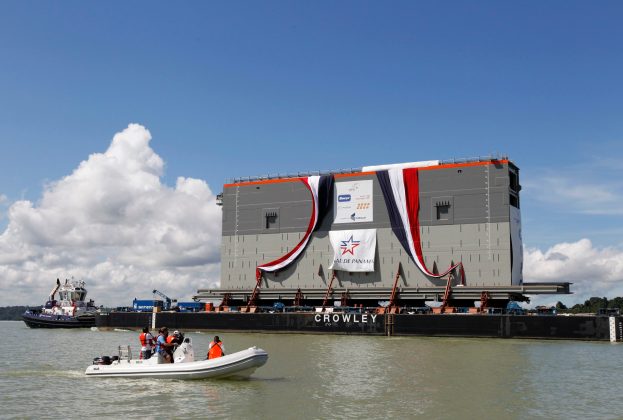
column 113, row 223
column 593, row 271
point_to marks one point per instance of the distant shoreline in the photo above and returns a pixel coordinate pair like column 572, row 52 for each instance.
column 13, row 313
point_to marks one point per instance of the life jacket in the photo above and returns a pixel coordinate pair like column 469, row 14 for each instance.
column 145, row 342
column 170, row 339
column 215, row 350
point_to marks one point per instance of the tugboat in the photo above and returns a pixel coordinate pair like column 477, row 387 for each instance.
column 70, row 311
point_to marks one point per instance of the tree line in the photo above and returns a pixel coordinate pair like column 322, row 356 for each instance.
column 12, row 313
column 592, row 305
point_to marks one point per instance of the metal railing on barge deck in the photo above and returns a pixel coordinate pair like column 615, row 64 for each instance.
column 236, row 180
column 406, row 293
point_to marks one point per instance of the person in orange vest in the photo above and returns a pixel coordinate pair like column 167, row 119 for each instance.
column 216, row 348
column 147, row 343
column 176, row 338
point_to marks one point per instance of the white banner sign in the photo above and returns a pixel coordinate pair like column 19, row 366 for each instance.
column 353, row 250
column 353, row 202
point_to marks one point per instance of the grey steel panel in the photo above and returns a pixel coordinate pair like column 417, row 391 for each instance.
column 471, row 188
column 243, row 206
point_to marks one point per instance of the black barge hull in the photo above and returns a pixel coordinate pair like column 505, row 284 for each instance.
column 494, row 326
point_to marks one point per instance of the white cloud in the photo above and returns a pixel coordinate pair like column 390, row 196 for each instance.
column 114, row 224
column 593, row 271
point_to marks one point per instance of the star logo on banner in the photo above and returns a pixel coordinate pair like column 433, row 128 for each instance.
column 349, row 246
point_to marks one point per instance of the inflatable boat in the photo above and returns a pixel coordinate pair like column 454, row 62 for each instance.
column 236, row 365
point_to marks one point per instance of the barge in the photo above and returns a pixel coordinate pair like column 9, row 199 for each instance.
column 577, row 327
column 358, row 251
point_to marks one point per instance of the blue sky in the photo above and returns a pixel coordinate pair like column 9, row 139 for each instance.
column 245, row 88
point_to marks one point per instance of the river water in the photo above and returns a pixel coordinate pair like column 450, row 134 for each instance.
column 318, row 377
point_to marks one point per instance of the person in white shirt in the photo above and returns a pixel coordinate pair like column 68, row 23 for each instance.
column 147, row 343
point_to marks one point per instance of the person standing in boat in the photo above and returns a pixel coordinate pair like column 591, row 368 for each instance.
column 216, row 348
column 163, row 348
column 147, row 343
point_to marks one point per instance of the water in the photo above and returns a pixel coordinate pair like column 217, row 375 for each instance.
column 318, row 377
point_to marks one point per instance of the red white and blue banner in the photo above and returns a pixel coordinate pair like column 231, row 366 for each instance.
column 321, row 191
column 402, row 196
column 353, row 250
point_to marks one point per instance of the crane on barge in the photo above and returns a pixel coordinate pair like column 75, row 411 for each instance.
column 167, row 300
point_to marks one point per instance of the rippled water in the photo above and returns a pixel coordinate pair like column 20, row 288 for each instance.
column 319, row 377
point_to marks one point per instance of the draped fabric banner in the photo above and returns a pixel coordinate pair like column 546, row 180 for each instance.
column 320, row 188
column 400, row 189
column 353, row 250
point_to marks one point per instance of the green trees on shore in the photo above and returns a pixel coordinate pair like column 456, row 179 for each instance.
column 12, row 313
column 593, row 305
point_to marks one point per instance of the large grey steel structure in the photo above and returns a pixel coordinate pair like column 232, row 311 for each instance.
column 468, row 212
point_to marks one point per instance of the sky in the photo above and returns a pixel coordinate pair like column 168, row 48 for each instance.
column 121, row 121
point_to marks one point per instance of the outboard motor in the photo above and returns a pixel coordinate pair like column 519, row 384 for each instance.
column 102, row 360
column 184, row 352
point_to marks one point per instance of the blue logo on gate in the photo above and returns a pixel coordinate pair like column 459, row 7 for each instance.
column 343, row 198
